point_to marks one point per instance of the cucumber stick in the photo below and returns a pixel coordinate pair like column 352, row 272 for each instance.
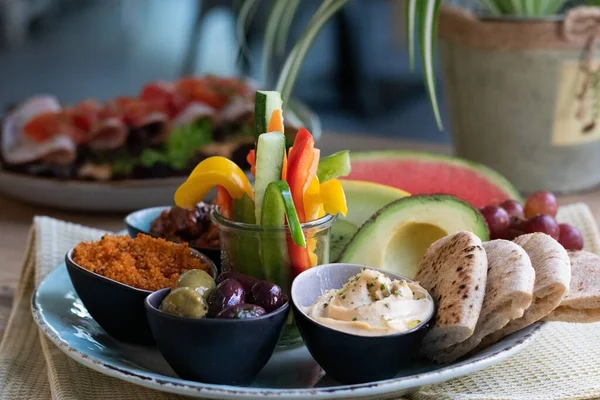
column 334, row 166
column 269, row 162
column 265, row 103
column 244, row 251
column 243, row 210
column 277, row 206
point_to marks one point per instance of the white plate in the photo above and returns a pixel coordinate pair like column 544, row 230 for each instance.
column 117, row 196
column 290, row 374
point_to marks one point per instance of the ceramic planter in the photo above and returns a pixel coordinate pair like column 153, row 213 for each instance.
column 519, row 101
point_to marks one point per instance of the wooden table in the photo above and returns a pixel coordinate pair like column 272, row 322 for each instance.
column 16, row 218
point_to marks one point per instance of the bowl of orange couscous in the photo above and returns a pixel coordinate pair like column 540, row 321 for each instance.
column 113, row 276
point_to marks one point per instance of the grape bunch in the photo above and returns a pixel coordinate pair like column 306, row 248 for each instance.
column 510, row 219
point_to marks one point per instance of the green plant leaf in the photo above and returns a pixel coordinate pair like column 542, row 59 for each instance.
column 491, row 6
column 272, row 28
column 411, row 17
column 528, row 8
column 245, row 14
column 428, row 11
column 285, row 25
column 292, row 65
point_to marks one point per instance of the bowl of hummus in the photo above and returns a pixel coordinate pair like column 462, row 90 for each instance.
column 360, row 324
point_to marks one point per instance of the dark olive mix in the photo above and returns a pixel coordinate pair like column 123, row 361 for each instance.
column 267, row 295
column 227, row 293
column 246, row 281
column 242, row 311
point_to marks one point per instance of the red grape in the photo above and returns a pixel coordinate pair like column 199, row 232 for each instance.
column 513, row 208
column 516, row 228
column 541, row 203
column 570, row 237
column 497, row 220
column 542, row 223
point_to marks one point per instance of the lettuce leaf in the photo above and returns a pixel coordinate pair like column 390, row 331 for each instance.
column 181, row 146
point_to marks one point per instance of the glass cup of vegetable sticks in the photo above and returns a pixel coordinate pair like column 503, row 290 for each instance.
column 264, row 252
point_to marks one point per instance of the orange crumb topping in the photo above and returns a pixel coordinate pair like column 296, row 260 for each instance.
column 143, row 262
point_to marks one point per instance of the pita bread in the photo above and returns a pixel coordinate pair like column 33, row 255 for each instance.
column 454, row 271
column 508, row 293
column 582, row 303
column 552, row 279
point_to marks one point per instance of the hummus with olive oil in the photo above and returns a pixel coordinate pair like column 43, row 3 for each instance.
column 371, row 304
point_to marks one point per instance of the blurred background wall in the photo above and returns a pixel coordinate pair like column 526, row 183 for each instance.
column 356, row 76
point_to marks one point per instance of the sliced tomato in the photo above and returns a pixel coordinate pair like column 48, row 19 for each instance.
column 161, row 97
column 85, row 114
column 200, row 89
column 44, row 126
column 230, row 86
column 129, row 109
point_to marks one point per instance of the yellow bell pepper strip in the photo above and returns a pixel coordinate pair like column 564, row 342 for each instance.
column 312, row 171
column 214, row 171
column 299, row 165
column 334, row 166
column 333, row 197
column 311, row 246
column 224, row 201
column 312, row 200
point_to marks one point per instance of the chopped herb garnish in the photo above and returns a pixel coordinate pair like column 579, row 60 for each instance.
column 397, row 293
column 325, row 305
column 354, row 319
column 387, row 305
column 370, row 285
column 343, row 297
column 382, row 287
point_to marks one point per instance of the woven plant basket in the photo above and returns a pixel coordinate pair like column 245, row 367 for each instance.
column 521, row 98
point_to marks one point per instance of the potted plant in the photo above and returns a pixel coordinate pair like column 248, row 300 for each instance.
column 520, row 77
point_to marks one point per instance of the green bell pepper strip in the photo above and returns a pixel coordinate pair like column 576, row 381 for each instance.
column 334, row 166
column 277, row 206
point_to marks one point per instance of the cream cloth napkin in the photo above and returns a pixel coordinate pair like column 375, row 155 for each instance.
column 564, row 363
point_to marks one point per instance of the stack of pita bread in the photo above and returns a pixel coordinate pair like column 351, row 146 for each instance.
column 486, row 291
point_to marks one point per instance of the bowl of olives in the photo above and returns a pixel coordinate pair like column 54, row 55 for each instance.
column 203, row 326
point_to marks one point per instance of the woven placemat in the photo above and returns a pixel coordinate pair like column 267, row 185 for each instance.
column 564, row 363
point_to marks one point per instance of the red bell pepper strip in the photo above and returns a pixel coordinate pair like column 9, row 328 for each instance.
column 251, row 158
column 299, row 166
column 299, row 257
column 224, row 201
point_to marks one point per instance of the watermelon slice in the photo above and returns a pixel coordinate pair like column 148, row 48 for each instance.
column 425, row 173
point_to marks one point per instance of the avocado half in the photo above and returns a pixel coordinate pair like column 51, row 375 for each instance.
column 363, row 199
column 397, row 236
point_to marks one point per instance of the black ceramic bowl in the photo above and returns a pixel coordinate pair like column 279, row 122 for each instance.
column 139, row 222
column 210, row 350
column 118, row 308
column 345, row 357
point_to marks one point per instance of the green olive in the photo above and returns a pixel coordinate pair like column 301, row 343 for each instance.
column 185, row 302
column 198, row 280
